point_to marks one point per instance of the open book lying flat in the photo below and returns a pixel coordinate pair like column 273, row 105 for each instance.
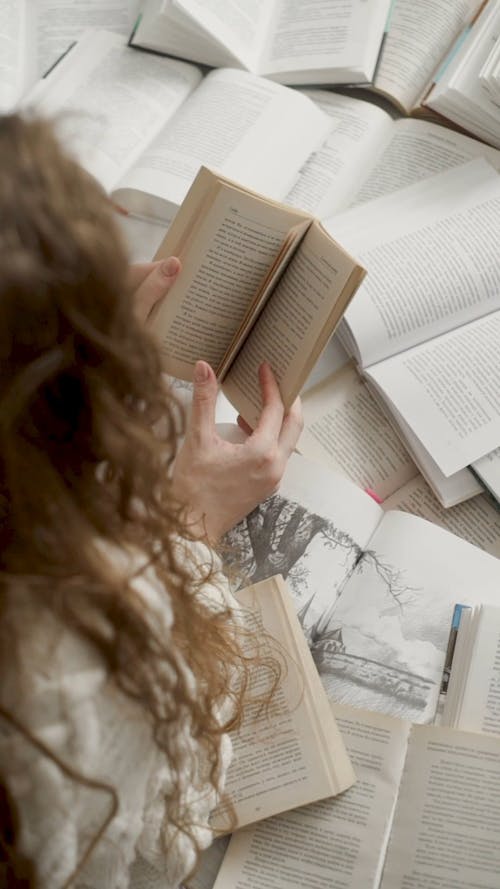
column 34, row 34
column 313, row 42
column 421, row 791
column 368, row 153
column 458, row 94
column 375, row 594
column 425, row 325
column 143, row 125
column 346, row 429
column 289, row 752
column 374, row 589
column 420, row 37
column 260, row 282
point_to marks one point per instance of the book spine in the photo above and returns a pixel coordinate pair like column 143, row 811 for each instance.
column 448, row 660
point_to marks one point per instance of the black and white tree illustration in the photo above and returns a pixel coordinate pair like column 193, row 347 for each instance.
column 283, row 537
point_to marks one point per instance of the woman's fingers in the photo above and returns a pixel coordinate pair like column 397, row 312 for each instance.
column 202, row 419
column 293, row 425
column 155, row 280
column 269, row 424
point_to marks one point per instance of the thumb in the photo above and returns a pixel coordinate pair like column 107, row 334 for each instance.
column 155, row 285
column 202, row 420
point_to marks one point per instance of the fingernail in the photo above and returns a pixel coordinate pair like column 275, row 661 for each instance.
column 169, row 267
column 201, row 372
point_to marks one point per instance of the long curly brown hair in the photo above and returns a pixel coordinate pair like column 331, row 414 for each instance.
column 80, row 391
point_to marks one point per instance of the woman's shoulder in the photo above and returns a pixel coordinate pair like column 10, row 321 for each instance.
column 49, row 660
column 64, row 698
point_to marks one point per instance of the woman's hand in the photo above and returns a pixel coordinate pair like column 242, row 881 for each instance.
column 221, row 482
column 150, row 282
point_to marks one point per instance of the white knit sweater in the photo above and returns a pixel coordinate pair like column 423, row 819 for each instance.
column 59, row 689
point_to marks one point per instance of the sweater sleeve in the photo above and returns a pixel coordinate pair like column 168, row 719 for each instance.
column 59, row 690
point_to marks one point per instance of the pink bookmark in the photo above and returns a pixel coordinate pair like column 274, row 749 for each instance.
column 373, row 495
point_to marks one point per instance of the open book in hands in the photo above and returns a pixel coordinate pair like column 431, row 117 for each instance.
column 287, row 752
column 315, row 42
column 260, row 282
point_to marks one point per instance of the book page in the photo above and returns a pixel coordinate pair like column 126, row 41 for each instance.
column 431, row 252
column 480, row 699
column 333, row 358
column 417, row 149
column 163, row 28
column 338, row 40
column 338, row 843
column 227, row 247
column 62, row 22
column 209, row 865
column 239, row 124
column 447, row 820
column 490, row 71
column 18, row 21
column 296, row 323
column 394, row 612
column 477, row 520
column 240, row 26
column 419, row 37
column 345, row 429
column 448, row 391
column 451, row 489
column 331, row 175
column 290, row 752
column 313, row 531
column 111, row 100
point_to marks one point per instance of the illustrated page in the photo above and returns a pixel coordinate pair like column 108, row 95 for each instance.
column 393, row 615
column 314, row 531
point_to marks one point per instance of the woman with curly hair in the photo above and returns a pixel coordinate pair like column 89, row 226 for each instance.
column 120, row 655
